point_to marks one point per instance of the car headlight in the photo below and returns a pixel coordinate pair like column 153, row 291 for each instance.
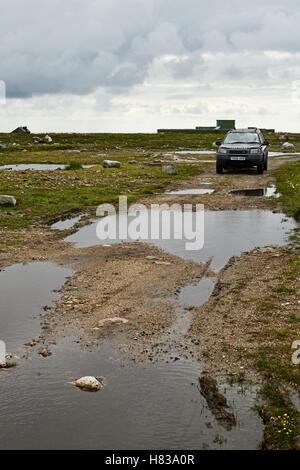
column 222, row 150
column 258, row 150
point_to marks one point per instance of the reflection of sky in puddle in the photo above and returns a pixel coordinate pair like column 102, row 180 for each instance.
column 143, row 406
column 195, row 295
column 24, row 290
column 66, row 224
column 191, row 191
column 226, row 234
column 269, row 191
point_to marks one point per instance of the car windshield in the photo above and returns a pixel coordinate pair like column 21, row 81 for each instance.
column 242, row 138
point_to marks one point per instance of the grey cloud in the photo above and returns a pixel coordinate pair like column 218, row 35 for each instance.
column 77, row 46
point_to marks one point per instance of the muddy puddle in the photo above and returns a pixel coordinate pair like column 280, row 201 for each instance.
column 192, row 191
column 66, row 223
column 24, row 290
column 270, row 191
column 37, row 167
column 143, row 406
column 147, row 406
column 195, row 295
column 226, row 234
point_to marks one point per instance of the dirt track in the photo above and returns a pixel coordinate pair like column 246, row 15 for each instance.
column 140, row 284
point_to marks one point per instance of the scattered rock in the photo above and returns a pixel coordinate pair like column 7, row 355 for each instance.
column 90, row 384
column 216, row 401
column 111, row 164
column 169, row 169
column 45, row 352
column 47, row 139
column 288, row 145
column 21, row 130
column 8, row 200
column 114, row 320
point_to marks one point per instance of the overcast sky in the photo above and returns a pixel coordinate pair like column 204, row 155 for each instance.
column 136, row 65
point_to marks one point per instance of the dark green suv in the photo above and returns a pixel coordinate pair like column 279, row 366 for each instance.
column 243, row 148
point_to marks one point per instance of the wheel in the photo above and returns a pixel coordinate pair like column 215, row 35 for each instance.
column 219, row 168
column 260, row 168
column 266, row 164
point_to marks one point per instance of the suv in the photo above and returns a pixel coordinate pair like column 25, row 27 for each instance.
column 243, row 148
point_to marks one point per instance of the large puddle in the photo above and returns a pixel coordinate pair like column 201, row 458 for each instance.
column 143, row 406
column 24, row 290
column 148, row 406
column 226, row 234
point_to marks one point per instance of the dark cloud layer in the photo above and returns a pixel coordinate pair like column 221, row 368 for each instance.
column 77, row 46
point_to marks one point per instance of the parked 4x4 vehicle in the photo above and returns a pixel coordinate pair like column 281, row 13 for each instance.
column 243, row 148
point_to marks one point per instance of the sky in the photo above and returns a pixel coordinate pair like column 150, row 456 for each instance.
column 139, row 65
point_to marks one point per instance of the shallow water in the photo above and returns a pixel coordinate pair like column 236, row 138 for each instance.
column 196, row 294
column 269, row 191
column 24, row 290
column 143, row 406
column 226, row 234
column 152, row 406
column 66, row 224
column 192, row 191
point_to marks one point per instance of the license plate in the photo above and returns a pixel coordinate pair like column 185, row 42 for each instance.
column 238, row 158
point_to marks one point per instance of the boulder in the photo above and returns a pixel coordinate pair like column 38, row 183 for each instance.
column 169, row 169
column 288, row 145
column 21, row 130
column 47, row 139
column 111, row 164
column 7, row 200
column 90, row 384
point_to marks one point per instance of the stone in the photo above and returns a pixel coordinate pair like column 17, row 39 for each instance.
column 21, row 130
column 111, row 164
column 89, row 384
column 6, row 200
column 169, row 169
column 113, row 320
column 288, row 145
column 47, row 139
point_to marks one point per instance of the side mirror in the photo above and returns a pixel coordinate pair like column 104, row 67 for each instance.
column 218, row 143
column 267, row 142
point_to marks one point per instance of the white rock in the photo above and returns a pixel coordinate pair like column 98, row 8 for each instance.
column 111, row 164
column 112, row 321
column 8, row 200
column 169, row 169
column 47, row 139
column 89, row 383
column 288, row 145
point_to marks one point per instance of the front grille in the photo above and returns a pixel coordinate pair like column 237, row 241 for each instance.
column 238, row 152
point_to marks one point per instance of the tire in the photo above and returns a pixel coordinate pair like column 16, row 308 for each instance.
column 266, row 164
column 219, row 168
column 260, row 168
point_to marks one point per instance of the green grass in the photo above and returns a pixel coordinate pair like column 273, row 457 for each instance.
column 74, row 166
column 44, row 195
column 288, row 184
column 280, row 418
